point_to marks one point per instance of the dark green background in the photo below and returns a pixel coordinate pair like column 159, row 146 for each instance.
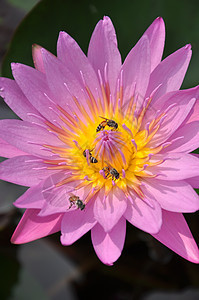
column 130, row 18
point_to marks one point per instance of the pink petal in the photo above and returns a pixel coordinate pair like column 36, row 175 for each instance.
column 189, row 141
column 7, row 150
column 69, row 52
column 175, row 234
column 57, row 198
column 25, row 170
column 194, row 182
column 17, row 101
column 166, row 102
column 28, row 137
column 46, row 196
column 156, row 37
column 189, row 130
column 33, row 84
column 108, row 245
column 37, row 58
column 194, row 115
column 180, row 102
column 177, row 166
column 32, row 198
column 63, row 84
column 136, row 71
column 170, row 73
column 144, row 214
column 76, row 223
column 103, row 51
column 56, row 201
column 177, row 196
column 108, row 210
column 31, row 227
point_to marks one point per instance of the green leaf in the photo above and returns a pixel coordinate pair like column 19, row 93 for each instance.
column 78, row 18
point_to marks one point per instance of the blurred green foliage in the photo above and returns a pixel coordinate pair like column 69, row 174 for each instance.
column 23, row 4
column 130, row 18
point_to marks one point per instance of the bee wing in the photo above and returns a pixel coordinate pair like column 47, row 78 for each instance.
column 71, row 195
column 103, row 118
column 108, row 164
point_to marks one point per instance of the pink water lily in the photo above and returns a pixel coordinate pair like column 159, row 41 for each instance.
column 101, row 142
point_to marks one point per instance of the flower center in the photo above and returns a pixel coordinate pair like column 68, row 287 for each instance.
column 104, row 150
column 114, row 148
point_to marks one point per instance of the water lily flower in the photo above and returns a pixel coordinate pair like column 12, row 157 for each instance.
column 100, row 143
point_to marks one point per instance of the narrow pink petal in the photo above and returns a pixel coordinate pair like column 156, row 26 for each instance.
column 177, row 196
column 175, row 234
column 146, row 216
column 156, row 37
column 64, row 85
column 108, row 210
column 7, row 150
column 31, row 227
column 28, row 137
column 16, row 100
column 180, row 103
column 69, row 52
column 37, row 58
column 189, row 140
column 76, row 223
column 103, row 51
column 136, row 70
column 170, row 72
column 32, row 198
column 108, row 245
column 25, row 170
column 33, row 84
column 177, row 166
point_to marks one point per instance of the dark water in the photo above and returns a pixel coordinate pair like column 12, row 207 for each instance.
column 45, row 269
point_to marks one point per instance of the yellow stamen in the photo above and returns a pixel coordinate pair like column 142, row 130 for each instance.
column 118, row 154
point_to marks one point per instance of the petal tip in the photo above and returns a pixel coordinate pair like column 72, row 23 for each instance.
column 14, row 65
column 187, row 47
column 160, row 19
column 16, row 204
column 35, row 46
column 63, row 240
column 193, row 256
column 106, row 19
column 15, row 239
column 194, row 260
column 63, row 34
column 108, row 263
column 106, row 22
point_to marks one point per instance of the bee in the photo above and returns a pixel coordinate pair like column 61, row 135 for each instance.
column 109, row 171
column 106, row 122
column 74, row 200
column 92, row 159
